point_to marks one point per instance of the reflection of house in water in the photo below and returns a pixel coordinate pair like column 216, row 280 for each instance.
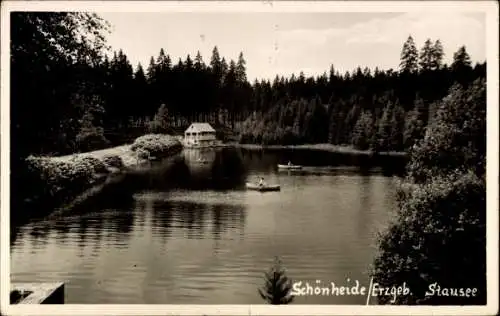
column 199, row 160
column 200, row 135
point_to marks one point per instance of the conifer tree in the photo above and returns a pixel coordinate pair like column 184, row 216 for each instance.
column 278, row 287
column 363, row 131
column 241, row 69
column 409, row 57
column 426, row 56
column 437, row 56
column 415, row 124
column 216, row 64
column 198, row 62
column 461, row 59
column 151, row 71
column 188, row 63
column 385, row 128
column 397, row 129
column 224, row 67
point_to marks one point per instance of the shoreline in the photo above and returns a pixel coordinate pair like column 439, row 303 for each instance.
column 63, row 181
column 323, row 147
column 126, row 154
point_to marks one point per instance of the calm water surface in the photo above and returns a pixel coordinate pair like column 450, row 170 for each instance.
column 186, row 232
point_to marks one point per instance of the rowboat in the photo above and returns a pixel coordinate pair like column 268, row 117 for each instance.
column 290, row 167
column 263, row 187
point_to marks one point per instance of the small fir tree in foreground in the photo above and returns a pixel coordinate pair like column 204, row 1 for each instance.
column 278, row 287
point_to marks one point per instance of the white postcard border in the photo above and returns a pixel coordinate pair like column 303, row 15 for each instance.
column 489, row 7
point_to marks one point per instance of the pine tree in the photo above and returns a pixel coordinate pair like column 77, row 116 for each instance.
column 241, row 69
column 216, row 64
column 161, row 121
column 278, row 287
column 409, row 57
column 139, row 75
column 198, row 62
column 91, row 133
column 437, row 56
column 163, row 62
column 331, row 76
column 397, row 128
column 151, row 71
column 180, row 65
column 461, row 59
column 224, row 67
column 140, row 93
column 426, row 56
column 363, row 131
column 188, row 63
column 415, row 124
column 385, row 128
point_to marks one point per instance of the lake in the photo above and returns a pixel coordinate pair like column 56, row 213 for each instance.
column 185, row 232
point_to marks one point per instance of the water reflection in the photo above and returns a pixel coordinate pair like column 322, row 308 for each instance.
column 321, row 162
column 199, row 219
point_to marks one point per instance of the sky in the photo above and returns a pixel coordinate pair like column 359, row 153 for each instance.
column 289, row 42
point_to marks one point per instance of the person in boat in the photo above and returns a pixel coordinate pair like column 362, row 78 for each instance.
column 289, row 163
column 261, row 182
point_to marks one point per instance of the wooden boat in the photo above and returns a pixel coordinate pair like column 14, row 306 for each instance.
column 262, row 188
column 289, row 167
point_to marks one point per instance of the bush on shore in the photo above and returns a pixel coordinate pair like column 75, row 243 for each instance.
column 113, row 161
column 56, row 178
column 155, row 146
column 51, row 177
column 52, row 181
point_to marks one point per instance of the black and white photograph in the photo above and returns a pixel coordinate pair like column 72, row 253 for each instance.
column 234, row 156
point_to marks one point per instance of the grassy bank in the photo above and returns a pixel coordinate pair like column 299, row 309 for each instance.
column 55, row 181
column 324, row 147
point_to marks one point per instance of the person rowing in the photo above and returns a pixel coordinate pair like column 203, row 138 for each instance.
column 289, row 163
column 261, row 182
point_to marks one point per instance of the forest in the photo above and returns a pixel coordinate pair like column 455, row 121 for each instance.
column 81, row 99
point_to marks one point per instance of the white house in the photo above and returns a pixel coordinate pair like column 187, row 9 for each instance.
column 200, row 134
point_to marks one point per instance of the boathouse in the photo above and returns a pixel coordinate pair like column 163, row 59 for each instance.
column 200, row 134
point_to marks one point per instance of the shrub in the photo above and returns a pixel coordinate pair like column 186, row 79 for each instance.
column 90, row 137
column 278, row 287
column 113, row 161
column 90, row 163
column 93, row 139
column 142, row 153
column 52, row 177
column 156, row 145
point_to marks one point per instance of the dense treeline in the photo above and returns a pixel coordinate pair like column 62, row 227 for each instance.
column 68, row 95
column 379, row 110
